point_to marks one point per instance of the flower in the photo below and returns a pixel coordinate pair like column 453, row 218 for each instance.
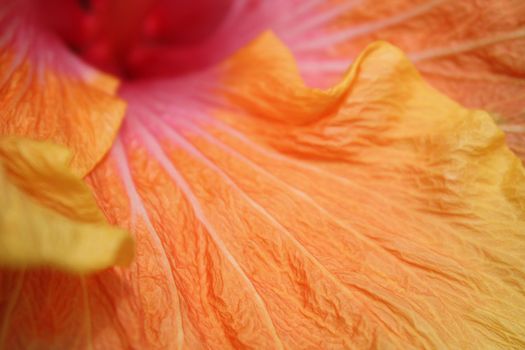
column 265, row 213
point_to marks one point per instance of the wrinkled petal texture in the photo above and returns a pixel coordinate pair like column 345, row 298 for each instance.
column 471, row 50
column 49, row 216
column 48, row 94
column 269, row 215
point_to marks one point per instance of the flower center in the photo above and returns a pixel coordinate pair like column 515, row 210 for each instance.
column 141, row 38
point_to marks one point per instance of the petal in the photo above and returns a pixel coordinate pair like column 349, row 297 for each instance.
column 471, row 50
column 47, row 94
column 272, row 215
column 49, row 217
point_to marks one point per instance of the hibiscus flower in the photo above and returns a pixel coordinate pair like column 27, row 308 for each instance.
column 262, row 174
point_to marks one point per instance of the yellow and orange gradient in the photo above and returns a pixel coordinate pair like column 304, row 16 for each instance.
column 265, row 213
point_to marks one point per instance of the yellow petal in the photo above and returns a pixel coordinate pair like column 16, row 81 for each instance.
column 48, row 215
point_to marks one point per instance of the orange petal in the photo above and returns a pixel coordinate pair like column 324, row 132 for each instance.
column 471, row 50
column 47, row 94
column 381, row 214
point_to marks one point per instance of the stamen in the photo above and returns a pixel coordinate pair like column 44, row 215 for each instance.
column 85, row 4
column 122, row 24
column 134, row 39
